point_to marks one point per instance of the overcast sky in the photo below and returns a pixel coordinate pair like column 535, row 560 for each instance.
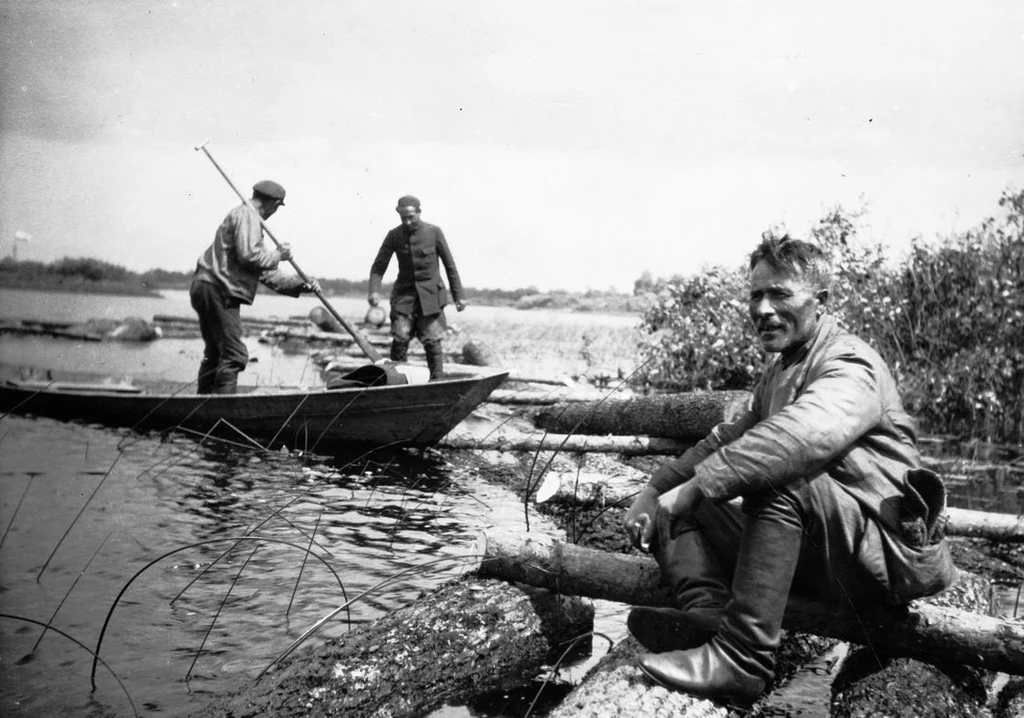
column 559, row 143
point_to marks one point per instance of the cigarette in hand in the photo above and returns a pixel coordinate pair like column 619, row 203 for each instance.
column 642, row 521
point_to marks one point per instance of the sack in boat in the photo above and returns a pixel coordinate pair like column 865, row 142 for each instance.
column 364, row 376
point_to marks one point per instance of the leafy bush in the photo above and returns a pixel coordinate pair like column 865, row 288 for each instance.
column 949, row 320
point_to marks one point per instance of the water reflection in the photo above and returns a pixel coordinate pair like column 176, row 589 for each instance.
column 86, row 508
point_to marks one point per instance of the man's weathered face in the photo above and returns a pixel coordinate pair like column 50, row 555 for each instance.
column 784, row 307
column 410, row 217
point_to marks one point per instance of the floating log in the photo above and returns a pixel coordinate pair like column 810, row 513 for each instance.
column 524, row 398
column 687, row 416
column 587, row 488
column 310, row 334
column 130, row 329
column 921, row 630
column 468, row 637
column 625, row 445
column 171, row 320
column 50, row 329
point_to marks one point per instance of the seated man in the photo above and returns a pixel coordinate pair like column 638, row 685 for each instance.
column 835, row 506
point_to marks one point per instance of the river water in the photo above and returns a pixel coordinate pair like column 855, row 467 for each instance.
column 84, row 509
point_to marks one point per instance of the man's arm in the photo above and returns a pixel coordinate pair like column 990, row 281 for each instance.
column 445, row 255
column 291, row 285
column 672, row 473
column 669, row 491
column 836, row 409
column 378, row 268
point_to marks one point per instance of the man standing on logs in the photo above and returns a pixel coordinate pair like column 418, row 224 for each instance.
column 419, row 296
column 226, row 277
column 835, row 506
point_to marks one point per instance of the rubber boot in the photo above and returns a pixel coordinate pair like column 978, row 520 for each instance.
column 736, row 665
column 691, row 569
column 399, row 349
column 435, row 360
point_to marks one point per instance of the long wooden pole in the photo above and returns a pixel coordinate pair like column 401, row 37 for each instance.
column 360, row 340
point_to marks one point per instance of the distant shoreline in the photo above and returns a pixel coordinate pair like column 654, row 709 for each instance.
column 84, row 287
column 562, row 301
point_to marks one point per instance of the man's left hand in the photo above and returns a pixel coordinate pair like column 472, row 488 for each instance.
column 680, row 502
column 459, row 305
column 312, row 286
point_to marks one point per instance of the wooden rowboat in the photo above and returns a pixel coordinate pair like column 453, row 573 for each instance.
column 318, row 419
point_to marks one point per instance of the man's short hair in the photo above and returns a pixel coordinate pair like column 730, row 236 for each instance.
column 787, row 254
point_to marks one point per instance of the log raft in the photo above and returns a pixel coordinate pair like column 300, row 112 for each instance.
column 803, row 685
column 921, row 630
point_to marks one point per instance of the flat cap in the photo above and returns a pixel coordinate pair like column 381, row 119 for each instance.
column 408, row 201
column 269, row 188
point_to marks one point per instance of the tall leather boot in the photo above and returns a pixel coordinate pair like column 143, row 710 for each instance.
column 226, row 382
column 692, row 570
column 435, row 359
column 399, row 349
column 738, row 662
column 207, row 379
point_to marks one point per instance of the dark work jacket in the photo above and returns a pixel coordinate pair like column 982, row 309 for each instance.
column 419, row 276
column 832, row 413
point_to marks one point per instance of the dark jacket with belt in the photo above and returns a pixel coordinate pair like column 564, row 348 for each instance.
column 833, row 413
column 419, row 275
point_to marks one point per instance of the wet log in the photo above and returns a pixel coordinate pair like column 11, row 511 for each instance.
column 588, row 488
column 921, row 630
column 871, row 684
column 687, row 416
column 468, row 637
column 617, row 687
column 625, row 445
column 247, row 321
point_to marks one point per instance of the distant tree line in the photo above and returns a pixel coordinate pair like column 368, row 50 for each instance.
column 85, row 274
column 73, row 274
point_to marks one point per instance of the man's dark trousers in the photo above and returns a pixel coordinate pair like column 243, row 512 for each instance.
column 220, row 323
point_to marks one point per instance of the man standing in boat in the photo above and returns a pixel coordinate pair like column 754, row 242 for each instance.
column 419, row 296
column 227, row 275
column 835, row 506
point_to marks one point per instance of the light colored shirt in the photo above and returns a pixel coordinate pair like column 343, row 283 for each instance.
column 238, row 260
